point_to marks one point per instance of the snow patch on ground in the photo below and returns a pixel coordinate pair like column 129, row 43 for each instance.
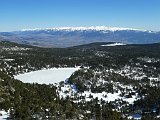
column 3, row 115
column 67, row 90
column 108, row 96
column 113, row 44
column 48, row 76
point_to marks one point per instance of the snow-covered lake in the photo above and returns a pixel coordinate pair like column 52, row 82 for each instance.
column 48, row 76
column 113, row 44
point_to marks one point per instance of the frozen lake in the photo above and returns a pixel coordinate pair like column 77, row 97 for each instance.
column 48, row 76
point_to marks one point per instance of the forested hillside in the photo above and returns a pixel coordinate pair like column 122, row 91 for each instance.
column 113, row 82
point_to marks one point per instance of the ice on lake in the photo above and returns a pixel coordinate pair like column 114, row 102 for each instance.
column 47, row 76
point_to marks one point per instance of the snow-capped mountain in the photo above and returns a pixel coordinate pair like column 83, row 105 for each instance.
column 73, row 36
column 95, row 28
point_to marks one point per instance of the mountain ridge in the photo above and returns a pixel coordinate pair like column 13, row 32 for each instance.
column 96, row 28
column 73, row 36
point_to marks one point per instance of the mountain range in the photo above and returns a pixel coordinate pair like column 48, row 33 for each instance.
column 74, row 36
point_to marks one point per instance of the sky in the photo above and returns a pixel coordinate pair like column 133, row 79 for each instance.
column 25, row 14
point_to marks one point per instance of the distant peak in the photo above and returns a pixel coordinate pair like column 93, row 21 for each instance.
column 96, row 28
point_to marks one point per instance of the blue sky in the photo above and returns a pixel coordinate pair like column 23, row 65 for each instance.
column 19, row 14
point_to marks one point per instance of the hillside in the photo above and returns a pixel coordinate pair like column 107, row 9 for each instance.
column 113, row 82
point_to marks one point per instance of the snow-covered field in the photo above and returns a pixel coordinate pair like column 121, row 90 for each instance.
column 48, row 76
column 114, row 44
column 67, row 90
